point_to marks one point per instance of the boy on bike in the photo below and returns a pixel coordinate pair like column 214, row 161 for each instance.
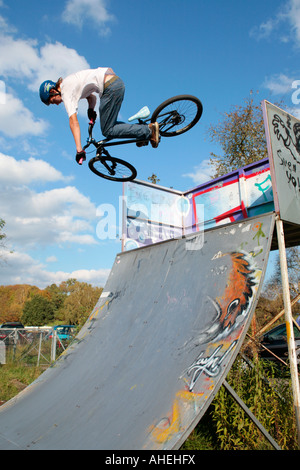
column 111, row 89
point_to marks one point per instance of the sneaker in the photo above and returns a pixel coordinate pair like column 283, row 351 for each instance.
column 154, row 139
column 142, row 143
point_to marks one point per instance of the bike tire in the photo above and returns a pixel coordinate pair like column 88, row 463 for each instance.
column 189, row 110
column 113, row 169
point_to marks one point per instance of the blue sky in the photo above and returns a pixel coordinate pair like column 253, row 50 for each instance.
column 216, row 50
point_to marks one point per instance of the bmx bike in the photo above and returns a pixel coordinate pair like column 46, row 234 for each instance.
column 174, row 116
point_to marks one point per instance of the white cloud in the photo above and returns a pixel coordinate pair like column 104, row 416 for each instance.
column 282, row 86
column 92, row 11
column 23, row 172
column 24, row 60
column 279, row 84
column 201, row 173
column 16, row 120
column 294, row 18
column 24, row 63
column 51, row 259
column 4, row 26
column 265, row 29
column 53, row 217
column 56, row 216
column 19, row 57
column 288, row 14
column 20, row 268
column 51, row 68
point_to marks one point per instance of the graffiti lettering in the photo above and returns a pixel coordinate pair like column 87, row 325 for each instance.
column 291, row 171
column 295, row 181
column 259, row 232
column 264, row 186
column 210, row 365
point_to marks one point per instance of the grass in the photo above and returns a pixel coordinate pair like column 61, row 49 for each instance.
column 14, row 377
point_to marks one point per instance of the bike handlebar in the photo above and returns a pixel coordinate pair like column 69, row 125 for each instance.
column 91, row 125
column 90, row 131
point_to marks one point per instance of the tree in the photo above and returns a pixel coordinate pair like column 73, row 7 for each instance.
column 79, row 301
column 13, row 298
column 241, row 136
column 293, row 264
column 154, row 178
column 2, row 234
column 38, row 311
column 57, row 297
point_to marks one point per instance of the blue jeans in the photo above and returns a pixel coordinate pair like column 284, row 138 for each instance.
column 110, row 105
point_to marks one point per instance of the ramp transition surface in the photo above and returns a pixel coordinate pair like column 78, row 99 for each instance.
column 155, row 350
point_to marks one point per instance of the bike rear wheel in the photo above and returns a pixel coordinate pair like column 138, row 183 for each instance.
column 177, row 115
column 112, row 168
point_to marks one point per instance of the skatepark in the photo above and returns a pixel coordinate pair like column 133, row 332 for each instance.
column 172, row 316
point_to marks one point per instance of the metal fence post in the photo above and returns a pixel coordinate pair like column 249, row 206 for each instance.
column 40, row 347
column 53, row 346
column 2, row 353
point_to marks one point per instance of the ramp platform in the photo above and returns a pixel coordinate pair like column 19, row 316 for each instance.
column 155, row 350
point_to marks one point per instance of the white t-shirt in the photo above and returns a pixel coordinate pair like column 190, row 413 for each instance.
column 80, row 85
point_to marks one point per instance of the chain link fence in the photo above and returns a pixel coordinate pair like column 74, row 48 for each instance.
column 32, row 346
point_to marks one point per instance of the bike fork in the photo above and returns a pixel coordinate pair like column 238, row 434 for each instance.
column 110, row 167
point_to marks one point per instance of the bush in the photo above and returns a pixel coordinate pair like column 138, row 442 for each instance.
column 225, row 426
column 38, row 311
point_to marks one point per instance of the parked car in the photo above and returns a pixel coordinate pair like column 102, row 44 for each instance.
column 63, row 331
column 5, row 330
column 276, row 341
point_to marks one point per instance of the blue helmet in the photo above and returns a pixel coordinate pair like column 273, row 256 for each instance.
column 45, row 91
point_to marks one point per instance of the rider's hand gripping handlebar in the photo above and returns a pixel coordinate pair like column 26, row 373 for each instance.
column 80, row 157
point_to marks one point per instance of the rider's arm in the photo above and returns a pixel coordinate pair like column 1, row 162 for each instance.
column 75, row 128
column 92, row 100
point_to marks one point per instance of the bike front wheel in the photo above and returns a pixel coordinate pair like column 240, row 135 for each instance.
column 177, row 115
column 112, row 168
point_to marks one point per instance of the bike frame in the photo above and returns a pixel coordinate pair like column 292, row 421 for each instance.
column 168, row 118
column 101, row 144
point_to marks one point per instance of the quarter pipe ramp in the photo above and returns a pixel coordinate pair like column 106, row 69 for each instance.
column 154, row 351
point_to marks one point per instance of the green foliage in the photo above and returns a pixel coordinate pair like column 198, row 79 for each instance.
column 230, row 428
column 154, row 178
column 203, row 437
column 241, row 135
column 57, row 296
column 12, row 300
column 71, row 302
column 14, row 377
column 79, row 301
column 38, row 311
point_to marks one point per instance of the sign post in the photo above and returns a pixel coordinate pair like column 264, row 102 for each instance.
column 289, row 323
column 283, row 141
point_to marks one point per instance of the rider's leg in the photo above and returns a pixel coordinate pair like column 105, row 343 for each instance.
column 110, row 105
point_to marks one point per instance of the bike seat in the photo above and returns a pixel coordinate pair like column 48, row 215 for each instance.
column 141, row 114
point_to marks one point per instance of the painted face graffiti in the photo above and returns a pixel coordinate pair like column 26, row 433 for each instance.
column 238, row 292
column 234, row 303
